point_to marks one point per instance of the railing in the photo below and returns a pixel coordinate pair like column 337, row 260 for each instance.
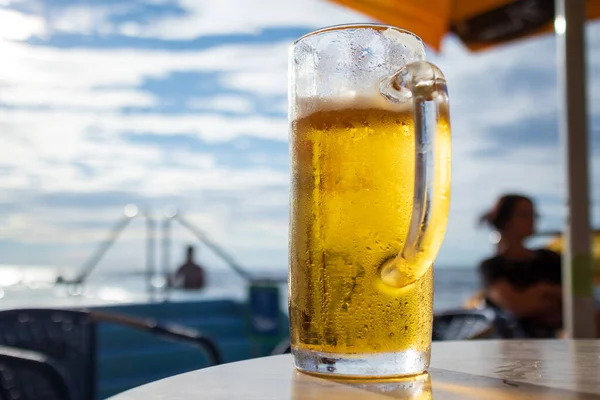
column 130, row 212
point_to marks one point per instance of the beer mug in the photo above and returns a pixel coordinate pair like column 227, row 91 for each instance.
column 370, row 192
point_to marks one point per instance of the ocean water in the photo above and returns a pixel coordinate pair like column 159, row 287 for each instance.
column 34, row 287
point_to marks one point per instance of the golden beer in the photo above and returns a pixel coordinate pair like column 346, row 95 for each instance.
column 353, row 178
column 370, row 155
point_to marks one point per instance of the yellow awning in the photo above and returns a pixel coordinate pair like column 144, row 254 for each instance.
column 478, row 23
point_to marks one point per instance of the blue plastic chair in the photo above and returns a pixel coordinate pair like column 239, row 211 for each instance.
column 30, row 375
column 463, row 324
column 64, row 344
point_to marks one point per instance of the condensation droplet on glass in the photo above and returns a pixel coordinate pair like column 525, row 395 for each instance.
column 365, row 53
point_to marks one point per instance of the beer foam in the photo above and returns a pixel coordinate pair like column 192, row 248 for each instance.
column 305, row 106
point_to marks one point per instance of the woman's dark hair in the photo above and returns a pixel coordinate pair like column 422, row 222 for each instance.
column 503, row 211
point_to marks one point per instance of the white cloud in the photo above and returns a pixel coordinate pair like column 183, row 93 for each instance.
column 179, row 181
column 223, row 103
column 80, row 18
column 273, row 82
column 65, row 98
column 42, row 147
column 52, row 224
column 88, row 68
column 204, row 17
column 48, row 151
column 18, row 26
column 209, row 17
column 45, row 127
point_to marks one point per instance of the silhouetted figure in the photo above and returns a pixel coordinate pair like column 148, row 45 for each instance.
column 524, row 282
column 190, row 275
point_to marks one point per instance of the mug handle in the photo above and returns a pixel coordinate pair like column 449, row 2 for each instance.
column 425, row 85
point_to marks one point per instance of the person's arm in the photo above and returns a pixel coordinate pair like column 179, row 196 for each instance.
column 520, row 302
column 200, row 277
column 541, row 301
column 496, row 287
column 505, row 296
column 552, row 266
column 177, row 280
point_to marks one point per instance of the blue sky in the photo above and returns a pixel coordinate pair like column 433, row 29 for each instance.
column 164, row 102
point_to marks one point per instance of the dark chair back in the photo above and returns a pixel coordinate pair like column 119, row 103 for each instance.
column 449, row 325
column 463, row 324
column 29, row 375
column 65, row 336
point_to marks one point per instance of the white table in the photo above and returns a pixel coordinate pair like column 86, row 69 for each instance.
column 490, row 370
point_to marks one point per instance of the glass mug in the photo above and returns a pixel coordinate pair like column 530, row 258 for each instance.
column 370, row 192
column 417, row 387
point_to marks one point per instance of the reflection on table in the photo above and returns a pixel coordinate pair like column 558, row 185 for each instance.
column 462, row 370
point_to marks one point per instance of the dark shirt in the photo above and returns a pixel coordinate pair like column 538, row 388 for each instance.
column 189, row 276
column 544, row 267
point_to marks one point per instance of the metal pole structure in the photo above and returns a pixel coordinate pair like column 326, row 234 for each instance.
column 579, row 304
column 166, row 252
column 93, row 261
column 150, row 252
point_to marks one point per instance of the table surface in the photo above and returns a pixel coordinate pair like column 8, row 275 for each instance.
column 483, row 369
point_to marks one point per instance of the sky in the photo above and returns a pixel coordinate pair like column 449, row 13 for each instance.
column 166, row 103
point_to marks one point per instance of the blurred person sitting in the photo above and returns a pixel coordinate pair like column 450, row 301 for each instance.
column 522, row 282
column 189, row 275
